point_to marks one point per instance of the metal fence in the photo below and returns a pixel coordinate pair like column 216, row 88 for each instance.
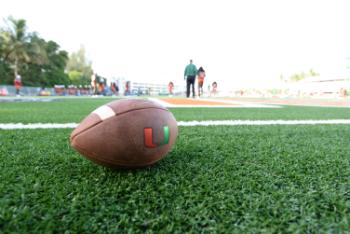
column 9, row 90
column 138, row 89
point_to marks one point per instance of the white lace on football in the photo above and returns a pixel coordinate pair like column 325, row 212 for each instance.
column 104, row 112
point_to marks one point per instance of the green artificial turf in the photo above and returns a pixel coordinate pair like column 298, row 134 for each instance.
column 238, row 179
column 285, row 113
column 75, row 109
column 61, row 110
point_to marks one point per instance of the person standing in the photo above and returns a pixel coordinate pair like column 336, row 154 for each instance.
column 93, row 83
column 201, row 75
column 171, row 88
column 214, row 86
column 18, row 84
column 190, row 77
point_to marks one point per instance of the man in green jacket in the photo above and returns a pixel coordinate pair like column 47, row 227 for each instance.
column 190, row 74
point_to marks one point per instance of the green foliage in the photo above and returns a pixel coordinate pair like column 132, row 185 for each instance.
column 303, row 75
column 79, row 64
column 75, row 77
column 39, row 62
column 313, row 73
column 219, row 179
column 6, row 76
column 17, row 48
column 50, row 73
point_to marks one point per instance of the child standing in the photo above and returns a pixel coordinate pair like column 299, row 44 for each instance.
column 201, row 75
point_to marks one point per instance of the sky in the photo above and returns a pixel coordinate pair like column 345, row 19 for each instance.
column 238, row 43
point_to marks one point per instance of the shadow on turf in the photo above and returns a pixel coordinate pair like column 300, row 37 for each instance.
column 169, row 162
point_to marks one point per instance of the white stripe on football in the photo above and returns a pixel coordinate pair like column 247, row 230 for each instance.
column 104, row 112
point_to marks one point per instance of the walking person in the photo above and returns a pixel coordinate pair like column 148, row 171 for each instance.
column 18, row 84
column 201, row 75
column 190, row 77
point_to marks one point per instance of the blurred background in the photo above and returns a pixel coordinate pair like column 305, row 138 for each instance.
column 250, row 49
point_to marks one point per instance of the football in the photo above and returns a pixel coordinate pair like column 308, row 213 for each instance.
column 128, row 133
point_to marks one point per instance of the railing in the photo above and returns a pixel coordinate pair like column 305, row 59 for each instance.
column 10, row 90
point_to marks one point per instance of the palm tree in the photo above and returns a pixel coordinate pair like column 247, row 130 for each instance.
column 18, row 46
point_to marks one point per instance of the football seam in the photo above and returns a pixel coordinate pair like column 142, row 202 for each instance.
column 118, row 115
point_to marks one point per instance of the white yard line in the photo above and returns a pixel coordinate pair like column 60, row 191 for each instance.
column 10, row 126
column 262, row 122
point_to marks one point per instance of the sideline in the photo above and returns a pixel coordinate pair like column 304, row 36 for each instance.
column 215, row 103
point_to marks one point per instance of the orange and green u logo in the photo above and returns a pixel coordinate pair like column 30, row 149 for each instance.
column 148, row 133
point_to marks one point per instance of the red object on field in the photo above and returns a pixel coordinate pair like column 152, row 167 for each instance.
column 3, row 92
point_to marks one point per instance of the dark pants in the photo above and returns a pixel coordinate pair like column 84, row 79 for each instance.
column 190, row 81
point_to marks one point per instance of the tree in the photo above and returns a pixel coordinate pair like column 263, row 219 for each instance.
column 79, row 68
column 5, row 70
column 301, row 76
column 50, row 73
column 75, row 77
column 5, row 73
column 312, row 73
column 40, row 62
column 18, row 46
column 55, row 69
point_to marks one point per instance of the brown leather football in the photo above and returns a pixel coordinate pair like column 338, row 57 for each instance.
column 129, row 133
